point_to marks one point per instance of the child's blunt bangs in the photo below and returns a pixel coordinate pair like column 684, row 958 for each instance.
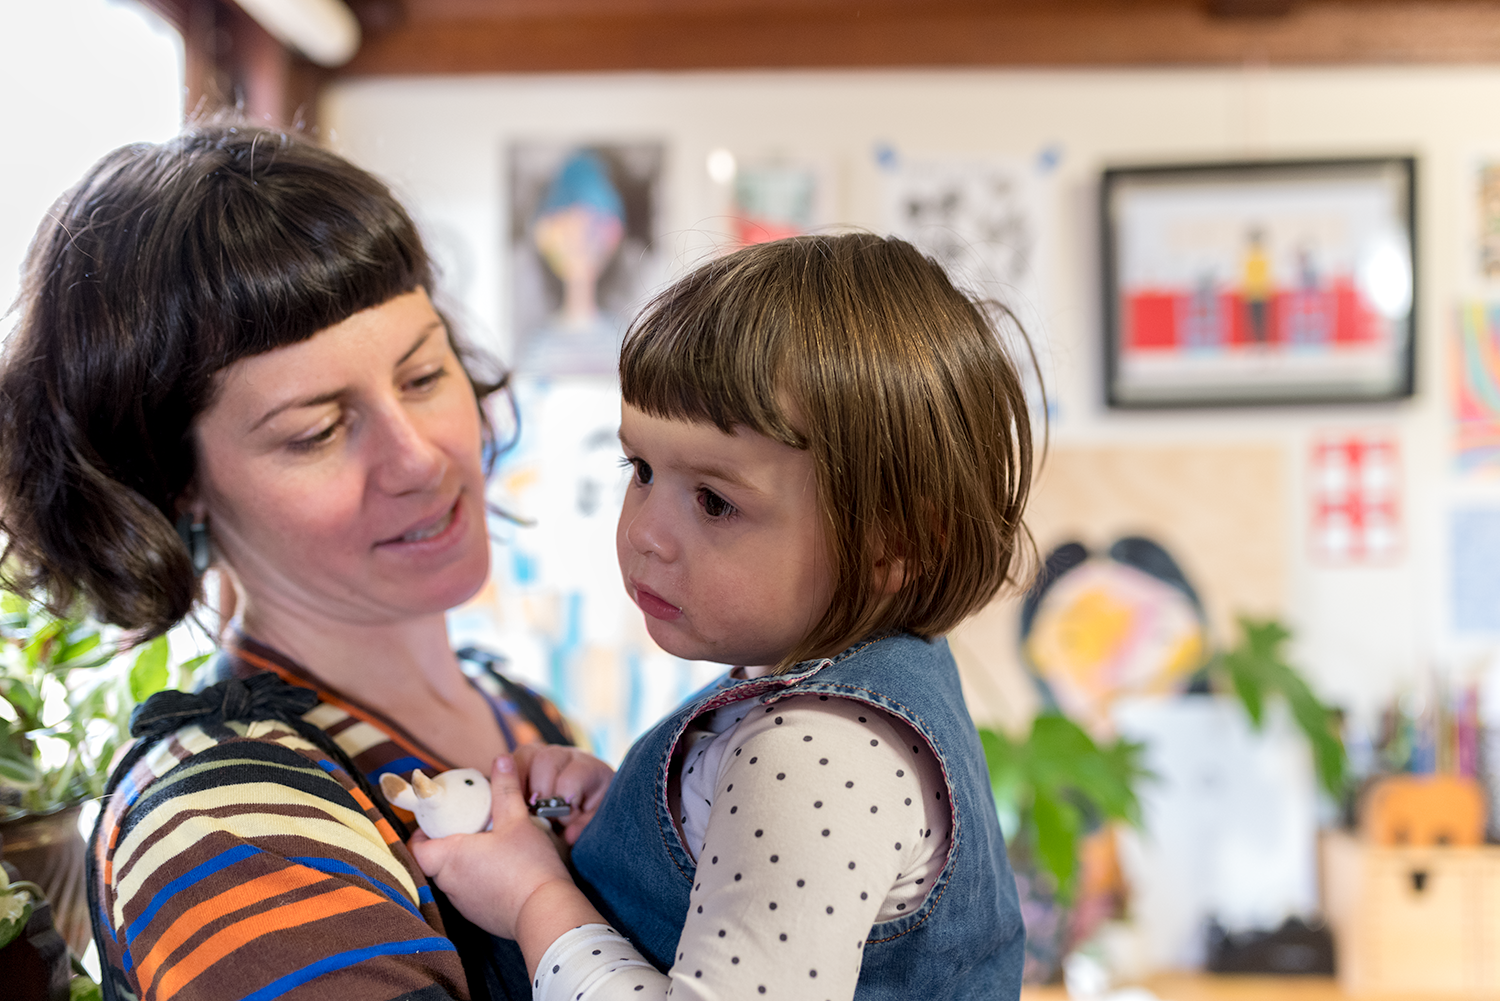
column 860, row 350
column 710, row 349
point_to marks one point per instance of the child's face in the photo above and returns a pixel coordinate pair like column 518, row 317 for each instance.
column 720, row 540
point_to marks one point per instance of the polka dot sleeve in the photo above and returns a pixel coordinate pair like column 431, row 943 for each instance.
column 824, row 816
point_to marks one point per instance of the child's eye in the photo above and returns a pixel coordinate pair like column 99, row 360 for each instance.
column 713, row 505
column 642, row 469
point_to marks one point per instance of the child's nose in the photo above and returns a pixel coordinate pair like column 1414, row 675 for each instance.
column 648, row 528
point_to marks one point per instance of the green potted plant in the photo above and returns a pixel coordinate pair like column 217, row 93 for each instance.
column 1256, row 670
column 1051, row 789
column 66, row 692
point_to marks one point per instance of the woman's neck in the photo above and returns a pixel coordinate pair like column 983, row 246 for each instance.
column 380, row 665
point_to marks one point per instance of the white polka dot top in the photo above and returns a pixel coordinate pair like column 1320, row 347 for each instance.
column 811, row 819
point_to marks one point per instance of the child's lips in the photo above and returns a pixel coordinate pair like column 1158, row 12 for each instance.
column 653, row 604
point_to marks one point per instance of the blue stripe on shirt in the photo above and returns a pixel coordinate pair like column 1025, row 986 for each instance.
column 221, row 861
column 334, row 866
column 343, row 960
column 401, row 767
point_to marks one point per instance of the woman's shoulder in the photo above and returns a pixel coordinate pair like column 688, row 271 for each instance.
column 217, row 823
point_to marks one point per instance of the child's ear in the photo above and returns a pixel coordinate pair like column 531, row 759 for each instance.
column 889, row 570
column 890, row 575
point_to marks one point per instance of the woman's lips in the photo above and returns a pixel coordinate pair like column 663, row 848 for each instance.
column 426, row 531
column 653, row 605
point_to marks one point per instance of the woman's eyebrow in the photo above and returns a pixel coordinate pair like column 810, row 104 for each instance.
column 421, row 339
column 310, row 401
column 331, row 395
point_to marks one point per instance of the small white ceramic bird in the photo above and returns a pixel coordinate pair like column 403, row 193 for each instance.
column 455, row 802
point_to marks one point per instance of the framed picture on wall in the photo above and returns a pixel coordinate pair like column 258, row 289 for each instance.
column 1285, row 282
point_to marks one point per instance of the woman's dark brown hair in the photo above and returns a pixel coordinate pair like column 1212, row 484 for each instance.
column 164, row 265
column 860, row 350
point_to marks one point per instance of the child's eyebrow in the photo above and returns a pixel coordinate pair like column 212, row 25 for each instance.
column 722, row 473
column 706, row 471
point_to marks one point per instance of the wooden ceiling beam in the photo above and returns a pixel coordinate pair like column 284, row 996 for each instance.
column 1311, row 32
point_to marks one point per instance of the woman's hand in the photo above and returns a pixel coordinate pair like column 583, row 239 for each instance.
column 575, row 775
column 492, row 876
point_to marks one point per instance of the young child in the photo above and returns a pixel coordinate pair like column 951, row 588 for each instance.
column 830, row 454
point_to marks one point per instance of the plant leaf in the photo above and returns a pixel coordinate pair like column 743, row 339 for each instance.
column 77, row 648
column 18, row 772
column 1257, row 670
column 1057, row 824
column 83, row 988
column 15, row 911
column 149, row 673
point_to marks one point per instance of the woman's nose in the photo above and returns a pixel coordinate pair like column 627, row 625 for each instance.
column 408, row 460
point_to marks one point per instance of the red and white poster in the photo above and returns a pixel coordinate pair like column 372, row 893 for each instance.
column 1355, row 483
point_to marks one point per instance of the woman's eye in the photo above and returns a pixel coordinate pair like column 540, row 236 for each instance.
column 713, row 505
column 314, row 440
column 429, row 380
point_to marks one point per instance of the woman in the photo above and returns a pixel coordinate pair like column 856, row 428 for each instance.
column 227, row 352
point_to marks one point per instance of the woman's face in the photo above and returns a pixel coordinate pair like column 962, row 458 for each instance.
column 341, row 476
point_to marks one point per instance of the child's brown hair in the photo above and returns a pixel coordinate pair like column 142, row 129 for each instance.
column 860, row 350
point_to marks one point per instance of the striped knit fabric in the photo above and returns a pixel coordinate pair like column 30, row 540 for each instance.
column 237, row 861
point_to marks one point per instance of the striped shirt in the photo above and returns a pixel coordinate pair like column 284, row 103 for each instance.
column 237, row 861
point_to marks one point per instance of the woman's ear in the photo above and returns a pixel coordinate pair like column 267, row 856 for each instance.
column 190, row 503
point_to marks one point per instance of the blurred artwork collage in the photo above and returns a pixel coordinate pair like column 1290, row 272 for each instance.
column 584, row 239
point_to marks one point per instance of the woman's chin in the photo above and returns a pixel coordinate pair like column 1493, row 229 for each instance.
column 458, row 585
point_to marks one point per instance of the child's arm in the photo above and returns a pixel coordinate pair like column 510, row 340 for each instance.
column 774, row 800
column 508, row 880
column 567, row 772
column 764, row 845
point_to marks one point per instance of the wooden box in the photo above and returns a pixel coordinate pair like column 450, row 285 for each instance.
column 1413, row 919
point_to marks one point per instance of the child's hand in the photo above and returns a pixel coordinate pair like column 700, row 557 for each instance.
column 490, row 876
column 576, row 776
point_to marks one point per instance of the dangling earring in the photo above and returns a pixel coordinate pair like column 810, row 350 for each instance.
column 194, row 535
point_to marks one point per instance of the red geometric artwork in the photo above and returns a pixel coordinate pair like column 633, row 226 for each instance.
column 1355, row 482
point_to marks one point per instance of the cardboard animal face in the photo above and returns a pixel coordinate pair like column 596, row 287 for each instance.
column 1424, row 810
column 455, row 802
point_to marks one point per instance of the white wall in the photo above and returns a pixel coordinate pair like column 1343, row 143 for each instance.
column 1363, row 633
column 79, row 77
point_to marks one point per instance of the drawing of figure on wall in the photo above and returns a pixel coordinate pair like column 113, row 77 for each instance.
column 577, row 231
column 1202, row 324
column 582, row 235
column 1309, row 313
column 1256, row 287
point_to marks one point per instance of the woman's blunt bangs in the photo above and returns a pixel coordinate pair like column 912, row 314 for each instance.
column 280, row 239
column 861, row 350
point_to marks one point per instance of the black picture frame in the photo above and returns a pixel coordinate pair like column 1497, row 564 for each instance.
column 1255, row 283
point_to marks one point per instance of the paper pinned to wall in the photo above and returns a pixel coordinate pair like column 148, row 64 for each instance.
column 1474, row 369
column 583, row 249
column 1487, row 215
column 1474, row 540
column 774, row 199
column 987, row 221
column 1355, row 485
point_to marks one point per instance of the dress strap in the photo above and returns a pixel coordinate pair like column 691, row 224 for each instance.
column 521, row 697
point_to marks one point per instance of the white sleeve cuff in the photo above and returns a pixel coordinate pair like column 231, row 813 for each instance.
column 595, row 963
